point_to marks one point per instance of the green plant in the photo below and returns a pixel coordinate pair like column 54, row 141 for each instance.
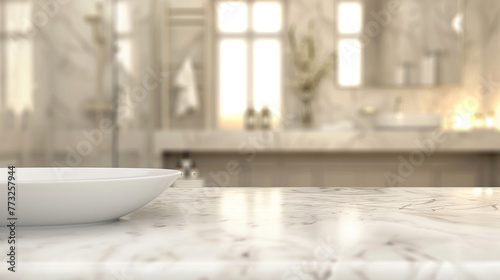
column 308, row 69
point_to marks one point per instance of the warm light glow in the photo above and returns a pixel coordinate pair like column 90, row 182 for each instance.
column 234, row 209
column 497, row 123
column 233, row 205
column 124, row 54
column 457, row 23
column 463, row 119
column 349, row 230
column 478, row 123
column 481, row 191
column 19, row 59
column 123, row 17
column 18, row 16
column 478, row 191
column 490, row 122
column 267, row 207
column 496, row 117
column 232, row 82
column 479, row 120
column 267, row 75
column 349, row 17
column 267, row 17
column 19, row 75
column 462, row 122
column 232, row 16
column 349, row 66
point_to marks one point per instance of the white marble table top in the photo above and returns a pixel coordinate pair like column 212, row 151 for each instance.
column 277, row 233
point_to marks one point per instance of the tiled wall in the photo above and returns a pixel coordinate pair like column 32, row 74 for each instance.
column 65, row 79
column 65, row 61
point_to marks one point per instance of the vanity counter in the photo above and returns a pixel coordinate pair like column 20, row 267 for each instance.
column 277, row 233
column 355, row 141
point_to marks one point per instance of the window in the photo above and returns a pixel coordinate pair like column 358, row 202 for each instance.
column 249, row 45
column 123, row 29
column 349, row 14
column 16, row 56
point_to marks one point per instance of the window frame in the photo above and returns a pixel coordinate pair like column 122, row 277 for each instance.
column 250, row 37
column 355, row 36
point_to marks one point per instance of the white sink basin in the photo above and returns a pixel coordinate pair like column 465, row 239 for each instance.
column 403, row 121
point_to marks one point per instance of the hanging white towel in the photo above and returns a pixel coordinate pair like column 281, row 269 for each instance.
column 187, row 95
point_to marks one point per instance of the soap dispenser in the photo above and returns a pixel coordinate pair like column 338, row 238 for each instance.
column 186, row 162
column 190, row 173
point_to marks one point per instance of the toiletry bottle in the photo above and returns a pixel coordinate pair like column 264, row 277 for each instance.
column 186, row 161
column 266, row 118
column 250, row 119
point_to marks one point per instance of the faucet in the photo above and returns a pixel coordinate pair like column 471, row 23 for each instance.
column 398, row 102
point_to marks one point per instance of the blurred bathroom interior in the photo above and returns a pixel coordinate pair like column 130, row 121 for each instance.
column 333, row 93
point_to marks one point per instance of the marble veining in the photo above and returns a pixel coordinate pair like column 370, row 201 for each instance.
column 278, row 233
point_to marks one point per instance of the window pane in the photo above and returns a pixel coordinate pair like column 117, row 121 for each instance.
column 267, row 74
column 123, row 17
column 19, row 75
column 124, row 54
column 232, row 16
column 349, row 66
column 18, row 16
column 267, row 17
column 232, row 82
column 349, row 15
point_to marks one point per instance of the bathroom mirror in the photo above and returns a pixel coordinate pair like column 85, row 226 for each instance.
column 399, row 43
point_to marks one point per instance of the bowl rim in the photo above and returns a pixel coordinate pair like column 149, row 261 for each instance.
column 153, row 173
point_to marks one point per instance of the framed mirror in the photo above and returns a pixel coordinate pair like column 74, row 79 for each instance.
column 399, row 43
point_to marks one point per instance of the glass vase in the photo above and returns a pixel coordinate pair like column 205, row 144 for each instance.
column 306, row 113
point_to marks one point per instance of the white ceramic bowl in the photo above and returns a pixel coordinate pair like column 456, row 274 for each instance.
column 67, row 196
